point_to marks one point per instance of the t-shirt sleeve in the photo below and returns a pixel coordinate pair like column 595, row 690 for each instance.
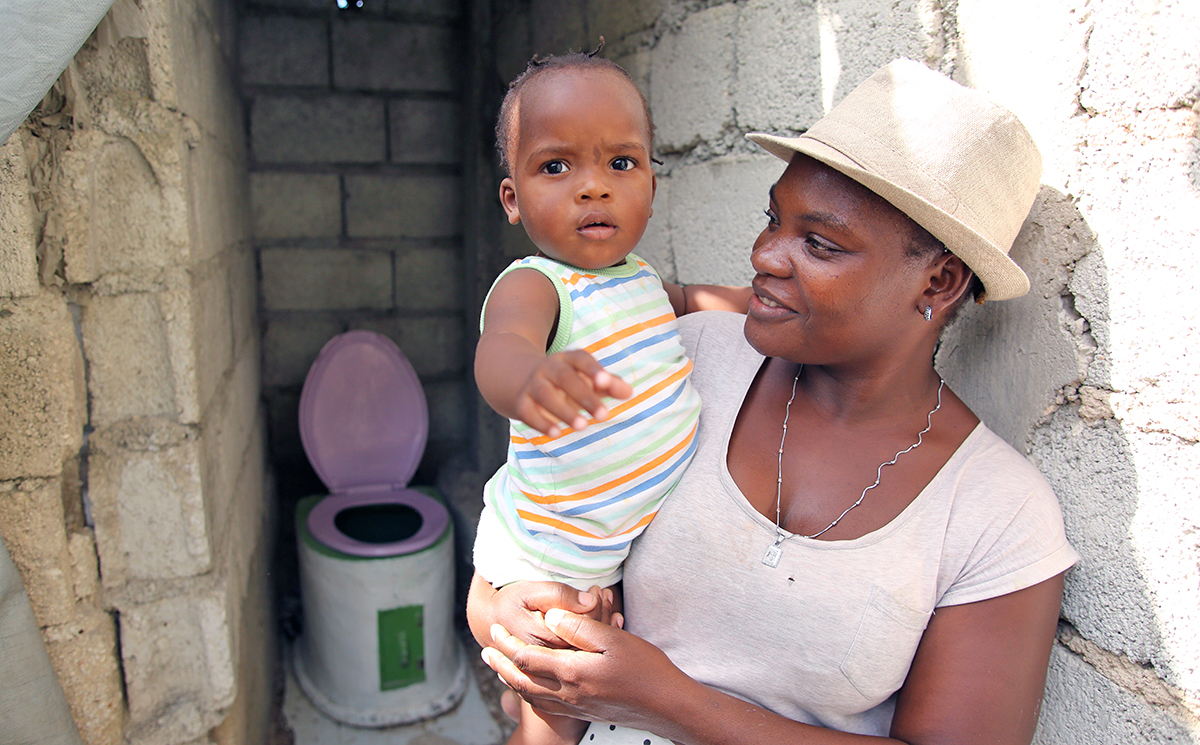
column 1011, row 529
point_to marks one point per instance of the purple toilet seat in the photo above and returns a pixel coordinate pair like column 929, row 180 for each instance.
column 364, row 422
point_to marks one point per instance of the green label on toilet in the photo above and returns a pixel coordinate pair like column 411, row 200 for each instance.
column 401, row 647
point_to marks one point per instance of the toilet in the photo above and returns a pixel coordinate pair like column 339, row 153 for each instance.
column 376, row 557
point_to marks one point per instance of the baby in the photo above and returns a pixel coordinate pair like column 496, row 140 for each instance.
column 579, row 347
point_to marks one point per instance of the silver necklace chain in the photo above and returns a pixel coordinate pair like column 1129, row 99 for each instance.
column 774, row 551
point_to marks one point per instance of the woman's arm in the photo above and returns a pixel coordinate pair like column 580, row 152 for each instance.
column 978, row 677
column 691, row 298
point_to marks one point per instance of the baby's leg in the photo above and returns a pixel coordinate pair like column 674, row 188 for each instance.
column 539, row 728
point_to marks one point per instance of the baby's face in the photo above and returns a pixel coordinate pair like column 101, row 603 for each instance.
column 581, row 182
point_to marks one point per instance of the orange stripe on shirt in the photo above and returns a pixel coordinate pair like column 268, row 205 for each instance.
column 608, row 486
column 574, row 529
column 629, row 331
column 620, row 408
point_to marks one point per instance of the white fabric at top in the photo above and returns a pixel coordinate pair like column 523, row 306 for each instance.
column 38, row 38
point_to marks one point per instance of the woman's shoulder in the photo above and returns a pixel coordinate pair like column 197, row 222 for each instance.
column 1005, row 526
column 707, row 330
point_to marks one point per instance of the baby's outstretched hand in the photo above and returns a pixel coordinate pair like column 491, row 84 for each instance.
column 564, row 386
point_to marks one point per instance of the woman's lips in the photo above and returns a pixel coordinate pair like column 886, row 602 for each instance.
column 763, row 305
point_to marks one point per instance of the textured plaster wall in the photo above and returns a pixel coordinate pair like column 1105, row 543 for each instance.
column 132, row 491
column 1091, row 373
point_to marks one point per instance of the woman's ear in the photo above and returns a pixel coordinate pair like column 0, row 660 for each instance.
column 508, row 200
column 949, row 279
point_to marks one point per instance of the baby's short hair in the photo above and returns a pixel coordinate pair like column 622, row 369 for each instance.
column 540, row 66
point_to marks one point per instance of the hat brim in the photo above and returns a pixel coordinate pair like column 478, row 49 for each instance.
column 1002, row 278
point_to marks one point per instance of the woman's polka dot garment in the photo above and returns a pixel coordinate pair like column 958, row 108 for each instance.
column 611, row 734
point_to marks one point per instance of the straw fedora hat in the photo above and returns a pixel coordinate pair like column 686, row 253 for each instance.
column 960, row 166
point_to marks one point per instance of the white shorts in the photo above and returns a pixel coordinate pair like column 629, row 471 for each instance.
column 501, row 562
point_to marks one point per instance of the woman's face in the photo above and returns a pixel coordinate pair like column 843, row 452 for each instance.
column 832, row 283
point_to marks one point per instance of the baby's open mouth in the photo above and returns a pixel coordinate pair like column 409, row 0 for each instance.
column 597, row 229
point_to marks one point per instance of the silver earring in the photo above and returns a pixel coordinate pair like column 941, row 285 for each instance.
column 928, row 313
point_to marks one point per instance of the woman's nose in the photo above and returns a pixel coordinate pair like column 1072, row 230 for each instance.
column 769, row 255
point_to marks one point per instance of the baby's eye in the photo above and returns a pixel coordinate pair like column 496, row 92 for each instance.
column 624, row 163
column 555, row 167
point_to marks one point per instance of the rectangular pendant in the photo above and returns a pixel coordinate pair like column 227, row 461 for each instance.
column 771, row 557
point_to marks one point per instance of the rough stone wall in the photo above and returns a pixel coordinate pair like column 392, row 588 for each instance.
column 132, row 491
column 354, row 130
column 1089, row 373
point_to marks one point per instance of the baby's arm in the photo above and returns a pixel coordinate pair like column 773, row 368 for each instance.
column 691, row 298
column 516, row 376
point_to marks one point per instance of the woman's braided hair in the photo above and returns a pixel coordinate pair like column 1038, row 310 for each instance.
column 538, row 66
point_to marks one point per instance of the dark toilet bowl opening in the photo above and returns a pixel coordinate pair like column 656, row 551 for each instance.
column 379, row 523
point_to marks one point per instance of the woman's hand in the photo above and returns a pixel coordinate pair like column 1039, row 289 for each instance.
column 608, row 675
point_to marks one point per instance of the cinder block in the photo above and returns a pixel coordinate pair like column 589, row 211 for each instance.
column 1142, row 60
column 781, row 92
column 425, row 131
column 616, row 19
column 180, row 306
column 366, row 56
column 296, row 205
column 144, row 480
column 178, row 663
column 321, row 129
column 655, row 245
column 85, row 564
column 691, row 79
column 439, row 8
column 289, row 4
column 232, row 426
column 202, row 77
column 18, row 239
column 403, row 206
column 325, row 279
column 558, row 26
column 123, row 220
column 1082, row 707
column 85, row 658
column 447, row 410
column 129, row 365
column 284, row 427
column 42, row 394
column 433, row 344
column 219, row 199
column 712, row 238
column 279, row 50
column 429, row 279
column 32, row 526
column 290, row 344
column 243, row 292
column 212, row 333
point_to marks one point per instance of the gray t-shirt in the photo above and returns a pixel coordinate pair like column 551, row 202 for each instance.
column 827, row 636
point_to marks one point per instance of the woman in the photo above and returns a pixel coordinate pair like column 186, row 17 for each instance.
column 851, row 552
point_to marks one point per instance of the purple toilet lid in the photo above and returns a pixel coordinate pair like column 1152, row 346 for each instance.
column 363, row 417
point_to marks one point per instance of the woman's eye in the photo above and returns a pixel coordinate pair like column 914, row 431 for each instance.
column 555, row 167
column 820, row 245
column 771, row 218
column 624, row 163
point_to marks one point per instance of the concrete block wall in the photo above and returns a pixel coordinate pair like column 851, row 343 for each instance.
column 1088, row 374
column 132, row 491
column 354, row 121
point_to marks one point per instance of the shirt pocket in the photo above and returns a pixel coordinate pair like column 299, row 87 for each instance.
column 883, row 647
